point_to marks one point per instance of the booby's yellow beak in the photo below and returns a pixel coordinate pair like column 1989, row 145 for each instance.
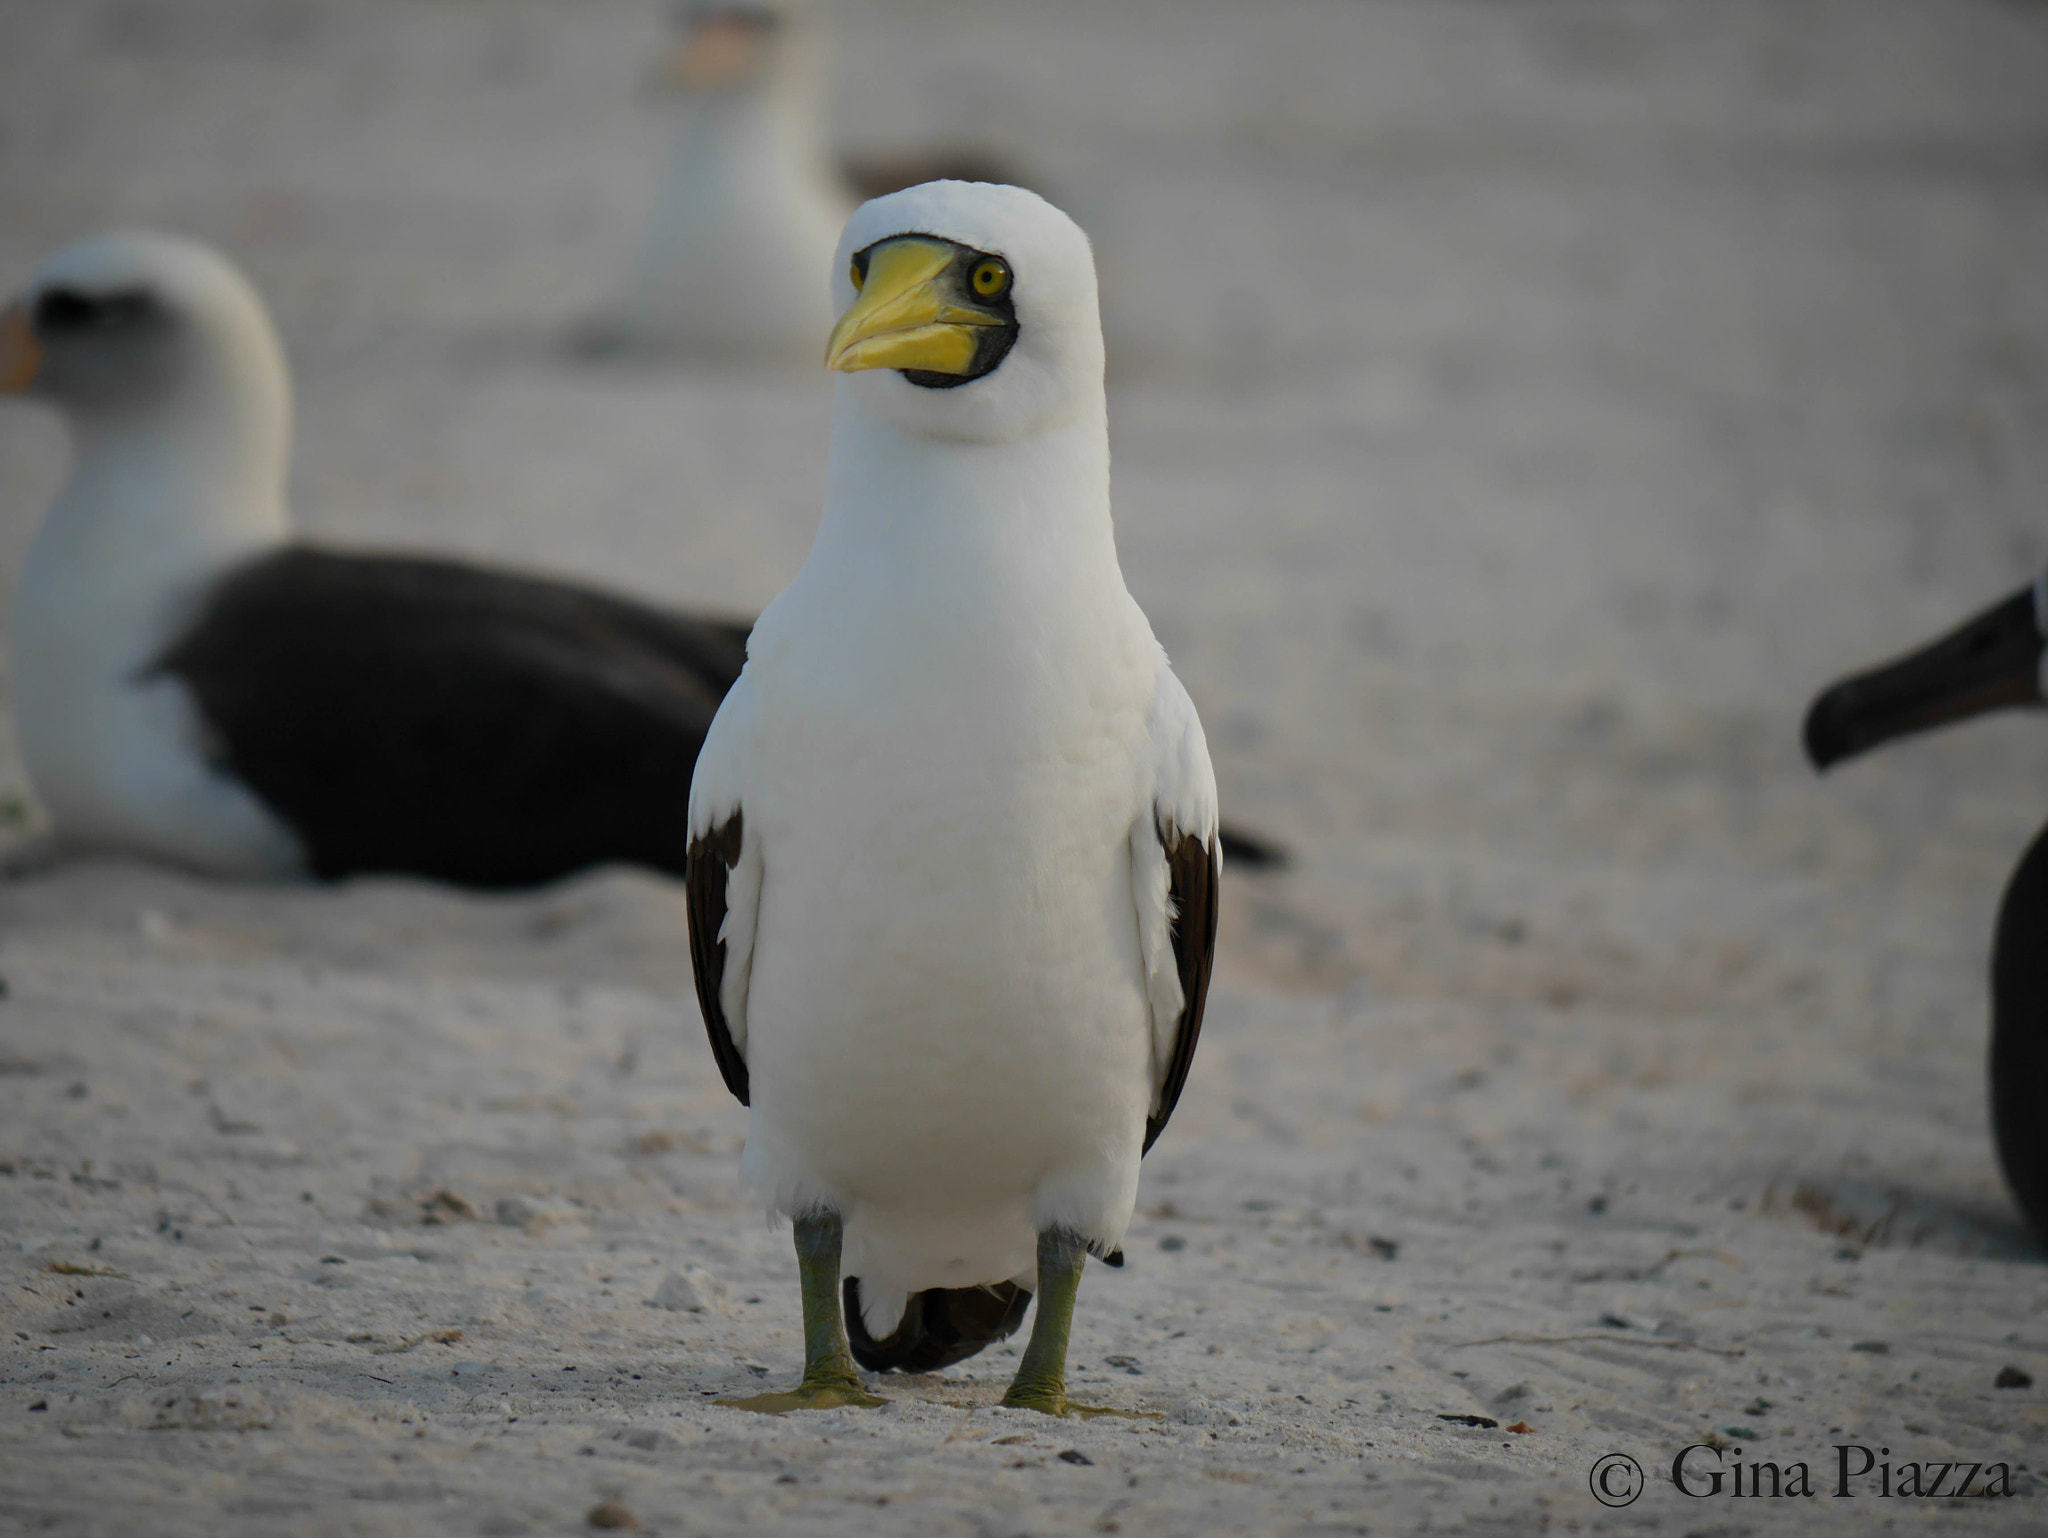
column 21, row 355
column 905, row 315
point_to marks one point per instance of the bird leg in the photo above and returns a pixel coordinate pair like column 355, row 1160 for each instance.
column 1041, row 1381
column 830, row 1381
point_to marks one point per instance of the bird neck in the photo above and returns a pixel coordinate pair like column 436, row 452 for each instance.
column 734, row 254
column 160, row 499
column 198, row 458
column 733, row 141
column 986, row 522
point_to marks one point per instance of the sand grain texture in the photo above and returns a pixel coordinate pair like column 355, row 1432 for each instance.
column 1519, row 411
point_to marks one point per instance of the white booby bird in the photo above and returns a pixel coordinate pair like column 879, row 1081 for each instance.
column 191, row 685
column 954, row 859
column 750, row 204
column 752, row 198
column 1998, row 660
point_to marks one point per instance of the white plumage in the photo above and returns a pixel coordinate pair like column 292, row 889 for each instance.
column 192, row 685
column 181, row 452
column 750, row 199
column 956, row 748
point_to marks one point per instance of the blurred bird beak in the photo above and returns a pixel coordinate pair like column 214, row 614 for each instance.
column 1992, row 663
column 720, row 50
column 901, row 318
column 21, row 355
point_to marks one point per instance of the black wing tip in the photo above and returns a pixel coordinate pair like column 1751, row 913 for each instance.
column 1243, row 850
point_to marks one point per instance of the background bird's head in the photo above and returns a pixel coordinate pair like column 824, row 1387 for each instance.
column 131, row 329
column 1997, row 660
column 730, row 45
column 967, row 311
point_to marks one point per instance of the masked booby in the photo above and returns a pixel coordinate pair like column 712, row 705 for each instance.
column 1997, row 660
column 954, row 853
column 191, row 685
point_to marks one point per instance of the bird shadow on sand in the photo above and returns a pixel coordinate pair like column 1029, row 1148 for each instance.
column 1871, row 1214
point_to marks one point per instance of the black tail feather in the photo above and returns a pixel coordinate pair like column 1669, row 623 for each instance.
column 940, row 1326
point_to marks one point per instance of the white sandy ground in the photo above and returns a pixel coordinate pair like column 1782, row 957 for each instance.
column 1519, row 410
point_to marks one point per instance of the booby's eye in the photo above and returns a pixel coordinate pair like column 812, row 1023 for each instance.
column 858, row 271
column 991, row 277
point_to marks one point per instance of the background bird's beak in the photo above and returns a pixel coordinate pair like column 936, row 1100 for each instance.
column 719, row 50
column 21, row 355
column 902, row 318
column 1992, row 663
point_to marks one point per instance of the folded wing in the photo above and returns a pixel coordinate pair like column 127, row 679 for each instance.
column 723, row 887
column 1176, row 866
column 435, row 719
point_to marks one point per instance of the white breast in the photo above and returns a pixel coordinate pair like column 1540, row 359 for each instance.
column 118, row 759
column 947, row 1024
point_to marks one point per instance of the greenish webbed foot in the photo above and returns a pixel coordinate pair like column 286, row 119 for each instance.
column 1041, row 1381
column 830, row 1382
column 809, row 1395
column 1057, row 1403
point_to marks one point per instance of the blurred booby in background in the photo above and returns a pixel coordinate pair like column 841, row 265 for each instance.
column 750, row 204
column 1996, row 661
column 192, row 685
column 753, row 196
column 953, row 878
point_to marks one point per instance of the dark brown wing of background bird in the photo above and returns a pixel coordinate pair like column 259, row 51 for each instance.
column 474, row 726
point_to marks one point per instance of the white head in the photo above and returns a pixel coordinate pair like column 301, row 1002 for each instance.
column 157, row 344
column 967, row 312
